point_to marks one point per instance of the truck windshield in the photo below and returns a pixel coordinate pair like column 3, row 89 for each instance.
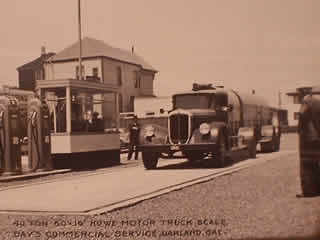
column 190, row 101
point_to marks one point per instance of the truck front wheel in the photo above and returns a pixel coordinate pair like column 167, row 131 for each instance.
column 220, row 154
column 150, row 159
column 310, row 179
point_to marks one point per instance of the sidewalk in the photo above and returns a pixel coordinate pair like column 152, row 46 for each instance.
column 27, row 174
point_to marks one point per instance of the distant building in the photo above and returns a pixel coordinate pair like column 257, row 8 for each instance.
column 32, row 71
column 144, row 106
column 102, row 63
column 283, row 117
column 149, row 109
column 295, row 98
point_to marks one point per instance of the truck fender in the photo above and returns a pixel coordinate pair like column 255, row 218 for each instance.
column 247, row 133
column 153, row 134
column 216, row 128
column 221, row 128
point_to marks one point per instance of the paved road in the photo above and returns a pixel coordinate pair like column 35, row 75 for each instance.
column 109, row 190
column 258, row 202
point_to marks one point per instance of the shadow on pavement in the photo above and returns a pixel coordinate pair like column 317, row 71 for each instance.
column 205, row 163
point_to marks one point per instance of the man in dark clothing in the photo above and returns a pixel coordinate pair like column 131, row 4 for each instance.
column 134, row 130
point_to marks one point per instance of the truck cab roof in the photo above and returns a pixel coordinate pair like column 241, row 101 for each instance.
column 246, row 98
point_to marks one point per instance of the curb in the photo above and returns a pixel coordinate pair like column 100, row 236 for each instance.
column 33, row 175
column 30, row 175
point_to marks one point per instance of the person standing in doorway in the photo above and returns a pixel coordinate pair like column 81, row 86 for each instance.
column 134, row 130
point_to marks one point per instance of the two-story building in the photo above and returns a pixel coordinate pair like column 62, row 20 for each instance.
column 29, row 72
column 132, row 75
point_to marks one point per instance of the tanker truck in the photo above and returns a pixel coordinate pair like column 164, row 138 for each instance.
column 211, row 123
column 309, row 142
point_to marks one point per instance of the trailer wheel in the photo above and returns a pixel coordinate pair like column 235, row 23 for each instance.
column 150, row 160
column 220, row 156
column 252, row 149
column 269, row 146
column 277, row 149
column 264, row 147
column 310, row 182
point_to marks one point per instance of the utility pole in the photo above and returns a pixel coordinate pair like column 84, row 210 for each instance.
column 80, row 44
column 279, row 99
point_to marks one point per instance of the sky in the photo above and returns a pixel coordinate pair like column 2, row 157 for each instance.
column 265, row 45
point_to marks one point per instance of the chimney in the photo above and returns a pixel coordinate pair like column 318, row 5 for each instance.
column 132, row 49
column 43, row 50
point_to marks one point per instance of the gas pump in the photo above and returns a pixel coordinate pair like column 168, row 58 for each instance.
column 39, row 140
column 10, row 150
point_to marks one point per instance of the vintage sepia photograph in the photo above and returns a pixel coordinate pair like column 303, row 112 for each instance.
column 172, row 120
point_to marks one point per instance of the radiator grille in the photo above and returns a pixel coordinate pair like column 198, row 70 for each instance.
column 179, row 128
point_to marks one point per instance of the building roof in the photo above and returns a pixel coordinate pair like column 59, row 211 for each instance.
column 96, row 48
column 300, row 90
column 12, row 90
column 291, row 94
column 316, row 89
column 36, row 63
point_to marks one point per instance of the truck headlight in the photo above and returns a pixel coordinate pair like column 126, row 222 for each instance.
column 204, row 128
column 149, row 131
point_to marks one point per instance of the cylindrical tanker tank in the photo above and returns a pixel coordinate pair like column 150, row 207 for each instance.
column 253, row 109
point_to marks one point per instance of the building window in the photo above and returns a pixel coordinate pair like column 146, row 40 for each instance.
column 43, row 73
column 94, row 77
column 77, row 72
column 37, row 75
column 120, row 103
column 131, row 104
column 137, row 79
column 139, row 82
column 296, row 116
column 95, row 72
column 296, row 99
column 119, row 76
column 40, row 74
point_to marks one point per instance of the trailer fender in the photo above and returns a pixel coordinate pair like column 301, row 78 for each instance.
column 247, row 133
column 267, row 131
